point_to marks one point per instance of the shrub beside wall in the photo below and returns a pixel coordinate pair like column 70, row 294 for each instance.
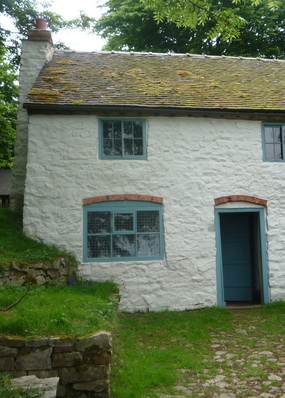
column 56, row 272
column 82, row 364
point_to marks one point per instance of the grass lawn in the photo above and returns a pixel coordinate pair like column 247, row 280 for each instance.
column 16, row 246
column 74, row 309
column 66, row 310
column 152, row 349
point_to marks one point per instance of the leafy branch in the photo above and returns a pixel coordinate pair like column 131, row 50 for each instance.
column 193, row 13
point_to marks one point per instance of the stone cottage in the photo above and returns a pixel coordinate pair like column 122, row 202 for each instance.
column 161, row 172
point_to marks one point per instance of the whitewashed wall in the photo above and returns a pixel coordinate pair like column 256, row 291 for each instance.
column 34, row 55
column 190, row 162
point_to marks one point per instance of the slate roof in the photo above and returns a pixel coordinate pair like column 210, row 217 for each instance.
column 177, row 81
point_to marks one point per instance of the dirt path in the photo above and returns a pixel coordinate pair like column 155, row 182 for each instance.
column 247, row 364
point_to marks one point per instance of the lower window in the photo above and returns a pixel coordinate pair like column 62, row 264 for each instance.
column 123, row 230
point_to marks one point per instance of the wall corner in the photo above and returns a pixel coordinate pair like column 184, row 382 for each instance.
column 36, row 51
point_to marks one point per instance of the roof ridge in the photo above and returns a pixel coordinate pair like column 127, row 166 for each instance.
column 182, row 55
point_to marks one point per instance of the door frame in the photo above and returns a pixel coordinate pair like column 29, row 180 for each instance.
column 263, row 252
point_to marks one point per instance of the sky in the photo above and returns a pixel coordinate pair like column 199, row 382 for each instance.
column 76, row 39
column 73, row 38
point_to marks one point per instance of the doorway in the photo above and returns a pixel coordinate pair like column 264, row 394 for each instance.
column 241, row 257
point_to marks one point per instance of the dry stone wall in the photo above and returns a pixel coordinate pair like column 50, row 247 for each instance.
column 55, row 272
column 82, row 364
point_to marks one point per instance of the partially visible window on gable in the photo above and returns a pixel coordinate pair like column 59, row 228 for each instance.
column 122, row 139
column 273, row 142
column 124, row 231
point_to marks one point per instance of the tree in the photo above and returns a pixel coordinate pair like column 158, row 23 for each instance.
column 128, row 25
column 263, row 36
column 23, row 13
column 8, row 110
column 227, row 19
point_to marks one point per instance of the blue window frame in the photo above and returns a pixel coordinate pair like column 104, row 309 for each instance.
column 123, row 230
column 122, row 139
column 273, row 137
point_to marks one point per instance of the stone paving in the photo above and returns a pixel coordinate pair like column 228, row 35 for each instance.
column 246, row 366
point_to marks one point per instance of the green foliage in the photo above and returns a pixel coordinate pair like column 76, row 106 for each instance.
column 262, row 36
column 23, row 14
column 128, row 25
column 7, row 392
column 75, row 309
column 8, row 109
column 226, row 17
column 16, row 246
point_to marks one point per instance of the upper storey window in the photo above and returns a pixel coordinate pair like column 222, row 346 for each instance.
column 274, row 142
column 122, row 139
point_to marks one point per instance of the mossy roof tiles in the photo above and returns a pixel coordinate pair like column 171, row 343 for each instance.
column 160, row 81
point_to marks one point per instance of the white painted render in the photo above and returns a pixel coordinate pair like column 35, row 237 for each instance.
column 190, row 161
column 34, row 55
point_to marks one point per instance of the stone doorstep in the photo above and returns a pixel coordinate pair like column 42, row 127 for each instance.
column 48, row 385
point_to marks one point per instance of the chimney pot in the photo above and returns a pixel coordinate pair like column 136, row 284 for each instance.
column 41, row 24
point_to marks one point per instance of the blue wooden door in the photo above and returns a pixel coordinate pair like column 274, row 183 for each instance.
column 236, row 256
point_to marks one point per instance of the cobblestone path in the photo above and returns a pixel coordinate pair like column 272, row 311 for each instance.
column 246, row 365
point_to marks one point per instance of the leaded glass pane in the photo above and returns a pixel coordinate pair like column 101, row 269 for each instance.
column 277, row 151
column 138, row 130
column 117, row 129
column 272, row 135
column 148, row 221
column 107, row 129
column 117, row 148
column 108, row 147
column 269, row 136
column 148, row 245
column 99, row 222
column 276, row 135
column 273, row 151
column 124, row 222
column 128, row 129
column 124, row 246
column 269, row 151
column 98, row 246
column 128, row 146
column 107, row 134
column 138, row 147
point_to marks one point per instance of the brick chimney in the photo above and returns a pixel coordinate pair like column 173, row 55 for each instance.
column 36, row 50
column 40, row 33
